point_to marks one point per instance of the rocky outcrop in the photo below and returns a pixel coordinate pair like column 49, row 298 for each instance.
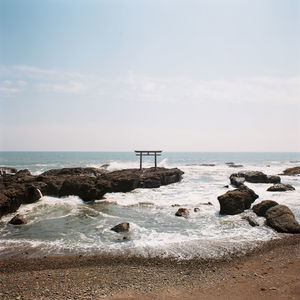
column 281, row 218
column 236, row 201
column 122, row 227
column 87, row 183
column 261, row 208
column 292, row 171
column 253, row 177
column 17, row 220
column 182, row 212
column 233, row 165
column 280, row 187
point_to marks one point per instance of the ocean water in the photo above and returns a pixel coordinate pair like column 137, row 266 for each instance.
column 68, row 225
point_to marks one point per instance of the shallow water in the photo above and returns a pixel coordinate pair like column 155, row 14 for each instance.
column 68, row 224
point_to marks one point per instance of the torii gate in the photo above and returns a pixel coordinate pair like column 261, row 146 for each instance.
column 142, row 153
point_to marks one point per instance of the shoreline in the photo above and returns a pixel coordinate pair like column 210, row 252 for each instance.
column 122, row 277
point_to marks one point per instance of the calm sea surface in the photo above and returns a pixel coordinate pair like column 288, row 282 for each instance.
column 57, row 226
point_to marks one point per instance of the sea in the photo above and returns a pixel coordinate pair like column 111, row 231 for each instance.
column 59, row 226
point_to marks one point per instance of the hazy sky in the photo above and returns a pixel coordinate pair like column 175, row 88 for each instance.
column 202, row 75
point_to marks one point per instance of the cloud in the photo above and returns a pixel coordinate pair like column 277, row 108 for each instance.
column 135, row 87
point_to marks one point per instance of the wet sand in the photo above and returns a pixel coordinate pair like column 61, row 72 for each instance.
column 271, row 271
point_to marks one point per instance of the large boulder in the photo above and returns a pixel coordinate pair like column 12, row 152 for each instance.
column 257, row 177
column 122, row 227
column 281, row 218
column 261, row 208
column 292, row 171
column 236, row 201
column 5, row 170
column 280, row 187
column 182, row 212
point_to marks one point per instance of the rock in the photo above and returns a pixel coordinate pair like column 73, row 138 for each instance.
column 236, row 201
column 292, row 171
column 261, row 208
column 90, row 172
column 122, row 227
column 17, row 220
column 87, row 183
column 250, row 220
column 182, row 212
column 206, row 203
column 23, row 173
column 31, row 195
column 234, row 166
column 280, row 187
column 255, row 177
column 226, row 186
column 207, row 165
column 196, row 209
column 5, row 170
column 281, row 218
column 236, row 181
column 175, row 205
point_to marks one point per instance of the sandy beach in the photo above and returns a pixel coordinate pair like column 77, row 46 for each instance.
column 271, row 271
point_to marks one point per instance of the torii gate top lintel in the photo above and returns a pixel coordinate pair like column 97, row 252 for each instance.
column 142, row 153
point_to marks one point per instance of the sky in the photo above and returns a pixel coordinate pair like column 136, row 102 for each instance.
column 174, row 75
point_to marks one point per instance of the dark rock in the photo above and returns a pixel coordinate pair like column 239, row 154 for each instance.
column 280, row 187
column 236, row 181
column 281, row 218
column 236, row 201
column 255, row 177
column 207, row 165
column 234, row 166
column 83, row 187
column 261, row 208
column 23, row 173
column 250, row 220
column 175, row 205
column 196, row 209
column 87, row 183
column 31, row 195
column 122, row 227
column 206, row 203
column 90, row 172
column 17, row 220
column 226, row 186
column 229, row 163
column 182, row 212
column 4, row 170
column 292, row 171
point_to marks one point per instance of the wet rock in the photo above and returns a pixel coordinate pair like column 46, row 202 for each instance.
column 257, row 177
column 17, row 220
column 182, row 212
column 207, row 165
column 23, row 173
column 250, row 220
column 282, row 219
column 292, row 171
column 196, row 209
column 261, row 208
column 87, row 183
column 175, row 205
column 226, row 186
column 236, row 201
column 5, row 170
column 122, row 227
column 236, row 181
column 206, row 203
column 31, row 195
column 280, row 187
